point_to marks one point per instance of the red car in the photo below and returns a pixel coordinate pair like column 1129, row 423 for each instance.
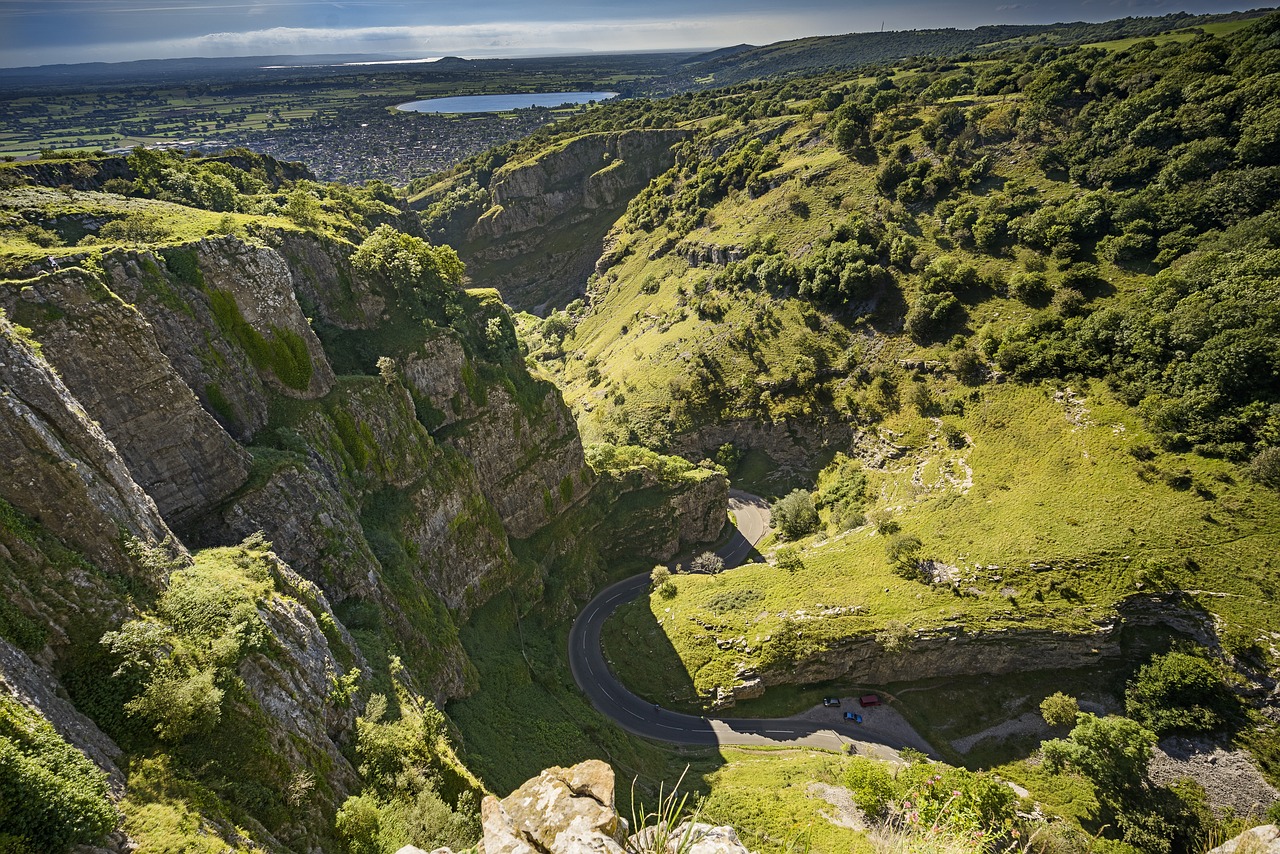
column 868, row 700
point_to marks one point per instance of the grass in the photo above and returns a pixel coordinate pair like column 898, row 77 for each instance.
column 170, row 224
column 1057, row 529
column 767, row 796
column 1219, row 29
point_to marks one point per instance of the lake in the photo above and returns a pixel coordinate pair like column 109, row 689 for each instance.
column 501, row 103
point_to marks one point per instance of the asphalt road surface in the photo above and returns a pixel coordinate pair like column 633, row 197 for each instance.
column 611, row 697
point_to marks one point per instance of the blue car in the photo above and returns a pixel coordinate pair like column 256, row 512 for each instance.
column 852, row 716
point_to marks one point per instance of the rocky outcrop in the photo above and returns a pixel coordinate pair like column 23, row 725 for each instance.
column 526, row 453
column 109, row 358
column 35, row 688
column 322, row 278
column 791, row 443
column 991, row 652
column 310, row 522
column 224, row 313
column 1264, row 839
column 259, row 281
column 590, row 172
column 567, row 197
column 572, row 811
column 58, row 466
column 663, row 519
column 295, row 684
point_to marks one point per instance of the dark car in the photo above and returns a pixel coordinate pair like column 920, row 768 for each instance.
column 830, row 701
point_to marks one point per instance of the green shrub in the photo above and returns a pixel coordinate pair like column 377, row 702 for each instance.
column 1265, row 467
column 871, row 784
column 1059, row 710
column 794, row 515
column 1113, row 752
column 788, row 558
column 51, row 796
column 1179, row 692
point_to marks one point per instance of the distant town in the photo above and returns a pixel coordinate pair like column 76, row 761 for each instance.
column 374, row 144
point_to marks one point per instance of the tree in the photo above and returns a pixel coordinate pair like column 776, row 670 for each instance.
column 903, row 552
column 794, row 515
column 1265, row 468
column 788, row 558
column 303, row 208
column 1113, row 752
column 894, row 636
column 1059, row 710
column 871, row 784
column 708, row 563
column 660, row 580
column 1178, row 692
column 411, row 265
column 387, row 370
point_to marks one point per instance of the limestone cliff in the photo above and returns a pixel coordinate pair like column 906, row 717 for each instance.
column 60, row 467
column 668, row 517
column 402, row 467
column 106, row 352
column 575, row 190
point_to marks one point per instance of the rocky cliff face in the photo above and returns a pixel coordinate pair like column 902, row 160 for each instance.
column 668, row 517
column 60, row 468
column 144, row 392
column 959, row 653
column 575, row 191
column 107, row 354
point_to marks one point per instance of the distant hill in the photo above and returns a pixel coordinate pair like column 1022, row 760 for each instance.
column 123, row 72
column 854, row 50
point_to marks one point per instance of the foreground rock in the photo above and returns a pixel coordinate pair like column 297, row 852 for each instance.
column 1259, row 840
column 572, row 811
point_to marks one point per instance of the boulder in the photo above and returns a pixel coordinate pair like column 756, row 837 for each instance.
column 1258, row 840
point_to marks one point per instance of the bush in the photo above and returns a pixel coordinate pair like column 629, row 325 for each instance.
column 895, row 636
column 788, row 558
column 1178, row 692
column 708, row 563
column 1265, row 467
column 1059, row 710
column 871, row 785
column 1029, row 287
column 794, row 515
column 1113, row 752
column 51, row 795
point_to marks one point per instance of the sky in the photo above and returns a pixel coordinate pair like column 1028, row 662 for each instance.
column 42, row 32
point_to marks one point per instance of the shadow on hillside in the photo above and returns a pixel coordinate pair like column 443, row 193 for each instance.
column 527, row 714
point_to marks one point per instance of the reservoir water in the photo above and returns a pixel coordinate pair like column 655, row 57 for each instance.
column 500, row 103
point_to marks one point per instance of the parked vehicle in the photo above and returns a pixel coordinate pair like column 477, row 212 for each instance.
column 853, row 716
column 869, row 700
column 830, row 701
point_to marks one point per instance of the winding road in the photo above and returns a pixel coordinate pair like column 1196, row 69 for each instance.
column 817, row 728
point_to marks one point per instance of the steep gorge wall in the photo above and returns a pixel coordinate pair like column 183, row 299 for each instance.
column 996, row 652
column 539, row 239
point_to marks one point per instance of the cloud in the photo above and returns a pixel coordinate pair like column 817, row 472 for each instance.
column 509, row 37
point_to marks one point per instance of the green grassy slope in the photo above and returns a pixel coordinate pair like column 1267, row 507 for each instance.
column 1038, row 292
